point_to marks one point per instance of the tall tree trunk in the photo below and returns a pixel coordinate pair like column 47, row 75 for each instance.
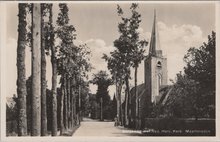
column 74, row 109
column 74, row 102
column 54, row 79
column 65, row 103
column 68, row 101
column 54, row 92
column 117, row 98
column 61, row 110
column 21, row 71
column 43, row 80
column 71, row 102
column 127, row 93
column 79, row 101
column 120, row 105
column 129, row 110
column 136, row 99
column 36, row 66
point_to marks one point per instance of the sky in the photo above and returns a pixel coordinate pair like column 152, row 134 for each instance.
column 180, row 26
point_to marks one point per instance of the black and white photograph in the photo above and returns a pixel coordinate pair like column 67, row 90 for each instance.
column 109, row 69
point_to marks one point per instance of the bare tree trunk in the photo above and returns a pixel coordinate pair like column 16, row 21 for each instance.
column 36, row 66
column 65, row 103
column 54, row 79
column 61, row 111
column 120, row 106
column 118, row 103
column 71, row 102
column 127, row 93
column 74, row 109
column 74, row 102
column 136, row 99
column 129, row 110
column 43, row 80
column 21, row 71
column 79, row 101
column 68, row 101
column 54, row 93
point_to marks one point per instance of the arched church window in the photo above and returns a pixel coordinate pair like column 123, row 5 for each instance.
column 159, row 64
column 159, row 80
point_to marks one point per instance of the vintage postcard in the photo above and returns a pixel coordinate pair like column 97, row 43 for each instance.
column 109, row 70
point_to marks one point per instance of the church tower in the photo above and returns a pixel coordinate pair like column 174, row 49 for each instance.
column 155, row 66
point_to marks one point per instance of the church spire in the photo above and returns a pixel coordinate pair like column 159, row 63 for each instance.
column 154, row 42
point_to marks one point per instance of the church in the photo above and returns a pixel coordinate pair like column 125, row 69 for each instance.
column 154, row 89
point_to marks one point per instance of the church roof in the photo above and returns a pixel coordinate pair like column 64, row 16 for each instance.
column 165, row 91
column 141, row 89
column 164, row 94
column 154, row 42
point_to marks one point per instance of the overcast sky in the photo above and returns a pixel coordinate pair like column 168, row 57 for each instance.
column 180, row 26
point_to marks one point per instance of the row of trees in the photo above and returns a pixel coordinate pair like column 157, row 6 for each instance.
column 128, row 54
column 69, row 63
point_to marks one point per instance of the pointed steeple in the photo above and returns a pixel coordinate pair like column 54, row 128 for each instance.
column 154, row 49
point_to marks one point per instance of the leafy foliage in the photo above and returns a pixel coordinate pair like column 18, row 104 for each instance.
column 201, row 63
column 102, row 80
column 193, row 93
column 129, row 50
column 72, row 59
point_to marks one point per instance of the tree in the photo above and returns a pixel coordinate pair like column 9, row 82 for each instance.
column 130, row 50
column 66, row 56
column 80, row 69
column 183, row 98
column 200, row 67
column 21, row 70
column 50, row 45
column 201, row 63
column 137, row 54
column 43, row 73
column 36, row 65
column 193, row 93
column 64, row 35
column 116, row 67
column 85, row 98
column 102, row 80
